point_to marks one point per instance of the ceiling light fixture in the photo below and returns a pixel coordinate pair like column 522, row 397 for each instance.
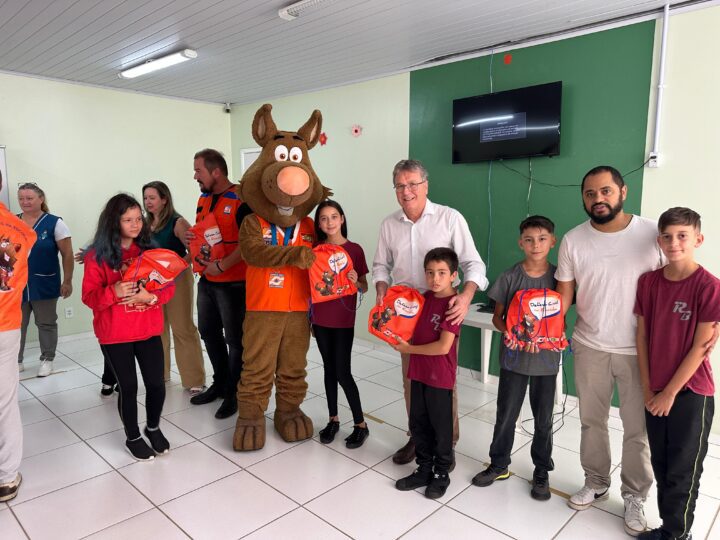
column 293, row 11
column 158, row 63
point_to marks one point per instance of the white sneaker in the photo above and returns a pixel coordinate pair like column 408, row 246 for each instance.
column 45, row 368
column 635, row 521
column 21, row 367
column 586, row 496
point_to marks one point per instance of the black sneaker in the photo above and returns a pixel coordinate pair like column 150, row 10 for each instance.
column 660, row 534
column 489, row 475
column 227, row 409
column 10, row 490
column 438, row 486
column 157, row 440
column 107, row 390
column 357, row 437
column 327, row 434
column 540, row 487
column 208, row 396
column 139, row 449
column 417, row 479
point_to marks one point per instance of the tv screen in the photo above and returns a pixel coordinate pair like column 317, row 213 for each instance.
column 524, row 122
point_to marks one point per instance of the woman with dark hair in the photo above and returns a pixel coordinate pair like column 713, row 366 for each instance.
column 168, row 231
column 334, row 327
column 44, row 285
column 128, row 320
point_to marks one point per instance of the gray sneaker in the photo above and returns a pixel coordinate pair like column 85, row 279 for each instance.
column 586, row 496
column 635, row 521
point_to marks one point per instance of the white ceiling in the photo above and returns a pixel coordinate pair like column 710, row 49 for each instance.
column 247, row 53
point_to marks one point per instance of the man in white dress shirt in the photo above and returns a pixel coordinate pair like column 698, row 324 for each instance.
column 405, row 237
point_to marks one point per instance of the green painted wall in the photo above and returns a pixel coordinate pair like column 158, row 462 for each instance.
column 606, row 82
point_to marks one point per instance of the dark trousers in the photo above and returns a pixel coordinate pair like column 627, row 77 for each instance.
column 335, row 346
column 221, row 313
column 121, row 359
column 678, row 444
column 511, row 394
column 108, row 377
column 431, row 426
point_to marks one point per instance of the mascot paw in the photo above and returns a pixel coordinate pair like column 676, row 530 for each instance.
column 307, row 257
column 293, row 425
column 249, row 434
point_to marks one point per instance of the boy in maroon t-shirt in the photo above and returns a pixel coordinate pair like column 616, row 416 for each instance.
column 433, row 363
column 676, row 308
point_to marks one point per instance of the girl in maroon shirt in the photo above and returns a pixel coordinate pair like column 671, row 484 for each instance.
column 128, row 320
column 334, row 327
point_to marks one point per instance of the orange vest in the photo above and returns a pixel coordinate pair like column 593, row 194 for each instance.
column 16, row 239
column 280, row 289
column 225, row 210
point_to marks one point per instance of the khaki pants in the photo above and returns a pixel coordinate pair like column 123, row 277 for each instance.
column 11, row 431
column 595, row 374
column 406, row 387
column 178, row 317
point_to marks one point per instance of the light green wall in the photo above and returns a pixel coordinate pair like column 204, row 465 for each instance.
column 357, row 169
column 689, row 134
column 83, row 144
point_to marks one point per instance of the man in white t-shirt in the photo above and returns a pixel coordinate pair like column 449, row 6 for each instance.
column 601, row 260
column 405, row 237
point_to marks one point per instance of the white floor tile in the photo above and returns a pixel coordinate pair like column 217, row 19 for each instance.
column 383, row 442
column 322, row 469
column 476, row 437
column 531, row 519
column 199, row 420
column 93, row 357
column 23, row 393
column 179, row 472
column 372, row 396
column 32, row 411
column 316, row 408
column 392, row 378
column 394, row 414
column 82, row 509
column 568, row 437
column 710, row 479
column 215, row 512
column 470, row 398
column 61, row 364
column 388, row 355
column 77, row 399
column 315, row 380
column 11, row 529
column 78, row 346
column 96, row 421
column 387, row 514
column 47, row 435
column 364, row 366
column 57, row 469
column 361, row 345
column 58, row 382
column 149, row 525
column 298, row 525
column 448, row 523
column 176, row 399
column 593, row 524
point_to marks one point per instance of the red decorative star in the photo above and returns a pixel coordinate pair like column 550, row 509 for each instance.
column 323, row 139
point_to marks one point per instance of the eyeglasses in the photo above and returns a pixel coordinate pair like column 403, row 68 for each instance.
column 412, row 186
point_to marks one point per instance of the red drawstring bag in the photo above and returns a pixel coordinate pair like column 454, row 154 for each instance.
column 397, row 316
column 207, row 245
column 154, row 268
column 535, row 316
column 328, row 274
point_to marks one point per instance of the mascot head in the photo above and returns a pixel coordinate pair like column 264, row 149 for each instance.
column 281, row 185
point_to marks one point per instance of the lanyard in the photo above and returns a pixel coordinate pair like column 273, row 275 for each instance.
column 287, row 234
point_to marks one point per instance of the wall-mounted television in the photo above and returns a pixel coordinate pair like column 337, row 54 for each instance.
column 518, row 123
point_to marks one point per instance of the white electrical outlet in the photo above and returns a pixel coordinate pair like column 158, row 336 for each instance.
column 69, row 313
column 653, row 161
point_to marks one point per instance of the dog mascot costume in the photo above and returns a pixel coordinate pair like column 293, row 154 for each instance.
column 276, row 241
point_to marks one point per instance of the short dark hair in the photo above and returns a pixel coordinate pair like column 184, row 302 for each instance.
column 616, row 176
column 212, row 159
column 679, row 215
column 537, row 222
column 442, row 254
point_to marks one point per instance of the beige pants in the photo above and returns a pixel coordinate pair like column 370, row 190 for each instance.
column 406, row 388
column 178, row 317
column 596, row 372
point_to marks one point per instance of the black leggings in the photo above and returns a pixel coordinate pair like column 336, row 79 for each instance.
column 335, row 346
column 121, row 360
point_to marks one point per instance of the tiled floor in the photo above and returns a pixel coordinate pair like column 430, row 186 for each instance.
column 79, row 481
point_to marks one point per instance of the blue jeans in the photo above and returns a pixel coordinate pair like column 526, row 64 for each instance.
column 221, row 313
column 511, row 394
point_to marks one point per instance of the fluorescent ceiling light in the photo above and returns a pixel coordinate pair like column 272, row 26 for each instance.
column 293, row 11
column 158, row 63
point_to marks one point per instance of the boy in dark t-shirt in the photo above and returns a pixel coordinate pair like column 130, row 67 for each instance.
column 517, row 367
column 676, row 308
column 432, row 369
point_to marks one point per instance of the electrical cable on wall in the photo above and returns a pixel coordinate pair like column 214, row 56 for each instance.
column 530, row 183
column 487, row 262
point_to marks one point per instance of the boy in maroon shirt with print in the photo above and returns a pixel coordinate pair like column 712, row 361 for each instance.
column 676, row 308
column 433, row 363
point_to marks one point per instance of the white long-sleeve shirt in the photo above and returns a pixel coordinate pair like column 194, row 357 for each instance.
column 403, row 244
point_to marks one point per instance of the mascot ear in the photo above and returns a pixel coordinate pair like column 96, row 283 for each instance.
column 263, row 127
column 310, row 132
column 327, row 193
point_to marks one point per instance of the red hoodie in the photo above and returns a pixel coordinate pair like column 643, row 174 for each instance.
column 112, row 321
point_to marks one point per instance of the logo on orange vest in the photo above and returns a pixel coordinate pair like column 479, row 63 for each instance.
column 227, row 210
column 277, row 280
column 307, row 238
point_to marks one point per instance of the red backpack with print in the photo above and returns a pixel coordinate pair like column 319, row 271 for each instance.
column 207, row 245
column 328, row 274
column 535, row 316
column 397, row 315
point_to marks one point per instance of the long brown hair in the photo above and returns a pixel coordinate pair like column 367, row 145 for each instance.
column 168, row 211
column 40, row 193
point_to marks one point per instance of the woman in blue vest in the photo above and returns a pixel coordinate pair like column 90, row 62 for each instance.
column 44, row 285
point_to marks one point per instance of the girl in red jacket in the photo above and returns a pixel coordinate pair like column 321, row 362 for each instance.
column 128, row 320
